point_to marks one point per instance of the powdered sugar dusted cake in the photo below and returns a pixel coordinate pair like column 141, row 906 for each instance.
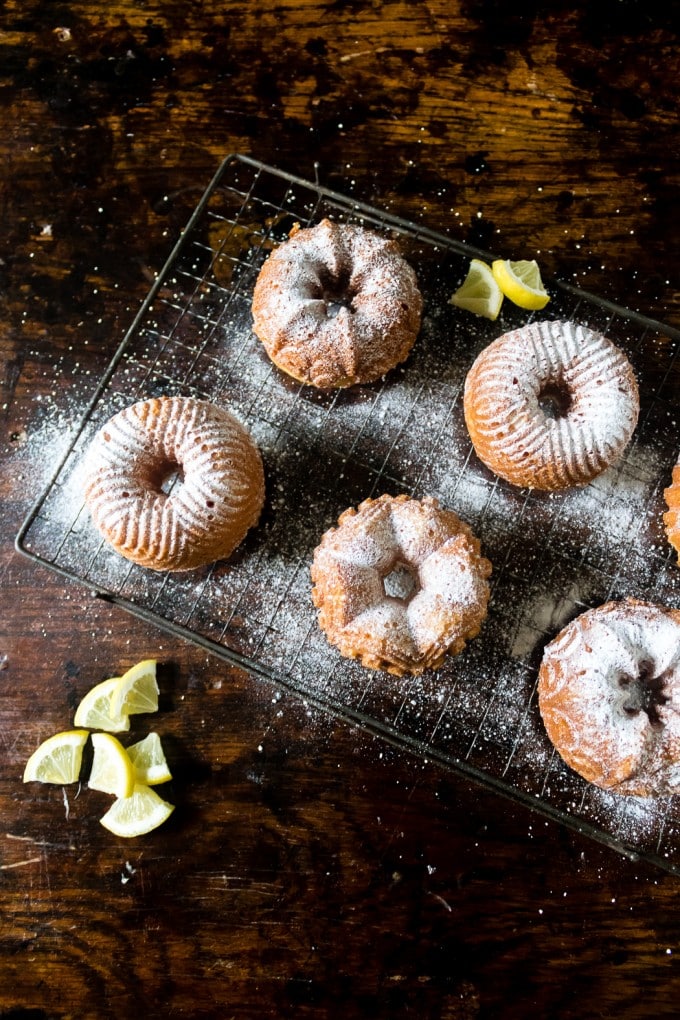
column 400, row 583
column 336, row 305
column 218, row 489
column 609, row 695
column 550, row 405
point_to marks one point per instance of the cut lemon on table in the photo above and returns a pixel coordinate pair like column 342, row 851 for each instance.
column 148, row 760
column 58, row 759
column 521, row 283
column 94, row 710
column 479, row 292
column 136, row 691
column 138, row 814
column 112, row 770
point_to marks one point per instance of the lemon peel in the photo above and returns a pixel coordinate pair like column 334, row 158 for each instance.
column 521, row 283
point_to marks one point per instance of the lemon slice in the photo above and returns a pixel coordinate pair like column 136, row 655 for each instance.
column 112, row 771
column 94, row 711
column 521, row 282
column 138, row 814
column 479, row 292
column 136, row 691
column 58, row 758
column 148, row 761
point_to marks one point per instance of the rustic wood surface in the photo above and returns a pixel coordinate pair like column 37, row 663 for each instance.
column 308, row 870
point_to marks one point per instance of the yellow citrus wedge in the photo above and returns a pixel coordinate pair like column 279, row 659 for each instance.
column 136, row 691
column 138, row 814
column 148, row 760
column 94, row 711
column 479, row 292
column 521, row 283
column 112, row 771
column 58, row 759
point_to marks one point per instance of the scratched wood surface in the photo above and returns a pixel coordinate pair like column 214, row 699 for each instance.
column 308, row 870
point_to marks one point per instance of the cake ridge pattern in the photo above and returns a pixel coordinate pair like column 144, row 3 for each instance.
column 560, row 367
column 218, row 485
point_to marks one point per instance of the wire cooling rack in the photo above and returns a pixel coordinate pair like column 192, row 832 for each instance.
column 553, row 555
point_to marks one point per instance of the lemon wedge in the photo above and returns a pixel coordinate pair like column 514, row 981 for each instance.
column 148, row 760
column 136, row 691
column 138, row 814
column 94, row 711
column 479, row 292
column 112, row 771
column 57, row 759
column 521, row 283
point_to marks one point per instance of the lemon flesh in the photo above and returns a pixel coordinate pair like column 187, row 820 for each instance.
column 521, row 283
column 138, row 814
column 148, row 760
column 479, row 292
column 136, row 691
column 94, row 711
column 57, row 759
column 112, row 771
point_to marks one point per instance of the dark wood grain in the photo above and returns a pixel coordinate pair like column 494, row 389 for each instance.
column 308, row 869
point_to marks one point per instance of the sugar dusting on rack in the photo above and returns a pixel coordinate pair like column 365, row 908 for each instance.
column 553, row 555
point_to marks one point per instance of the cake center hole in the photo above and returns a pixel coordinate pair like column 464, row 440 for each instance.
column 335, row 292
column 400, row 583
column 169, row 476
column 644, row 693
column 554, row 399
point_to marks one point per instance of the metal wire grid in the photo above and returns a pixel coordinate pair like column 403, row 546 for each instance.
column 552, row 556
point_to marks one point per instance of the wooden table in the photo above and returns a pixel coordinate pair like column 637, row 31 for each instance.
column 309, row 870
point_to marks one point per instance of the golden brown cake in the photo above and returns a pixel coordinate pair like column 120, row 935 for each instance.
column 671, row 518
column 336, row 305
column 609, row 696
column 174, row 483
column 399, row 584
column 551, row 405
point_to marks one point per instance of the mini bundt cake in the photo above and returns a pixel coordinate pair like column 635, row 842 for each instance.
column 399, row 584
column 609, row 695
column 550, row 405
column 336, row 305
column 216, row 470
column 671, row 518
